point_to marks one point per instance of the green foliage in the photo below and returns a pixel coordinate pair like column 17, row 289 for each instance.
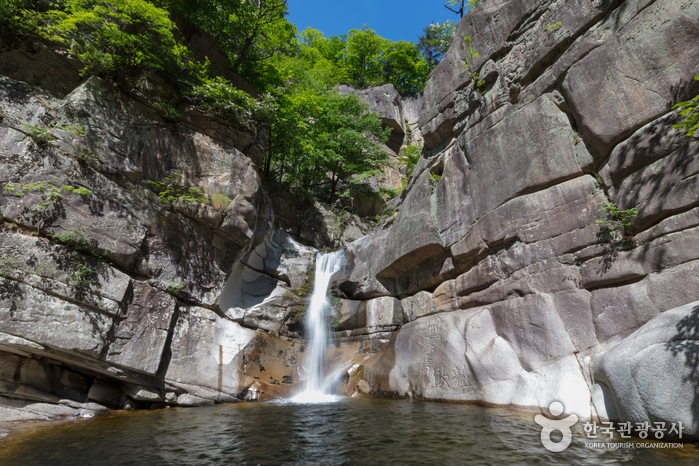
column 460, row 6
column 19, row 17
column 79, row 144
column 435, row 41
column 616, row 216
column 389, row 193
column 118, row 39
column 370, row 60
column 171, row 189
column 614, row 228
column 218, row 97
column 220, row 201
column 306, row 289
column 40, row 134
column 322, row 140
column 51, row 188
column 6, row 264
column 251, row 33
column 410, row 157
column 360, row 58
column 81, row 275
column 690, row 113
column 552, row 26
column 470, row 56
column 174, row 287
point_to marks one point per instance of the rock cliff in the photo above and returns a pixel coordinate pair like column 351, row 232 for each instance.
column 493, row 282
column 111, row 298
column 495, row 279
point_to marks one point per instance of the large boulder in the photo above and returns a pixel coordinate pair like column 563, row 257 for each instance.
column 652, row 376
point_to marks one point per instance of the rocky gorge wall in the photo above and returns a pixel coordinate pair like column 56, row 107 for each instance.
column 109, row 297
column 492, row 283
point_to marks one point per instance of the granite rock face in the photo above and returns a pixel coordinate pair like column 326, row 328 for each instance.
column 493, row 282
column 400, row 114
column 652, row 373
column 109, row 297
column 509, row 290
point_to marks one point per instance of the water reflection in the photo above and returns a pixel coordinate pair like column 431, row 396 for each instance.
column 348, row 432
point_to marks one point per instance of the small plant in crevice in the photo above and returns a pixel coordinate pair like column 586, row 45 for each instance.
column 81, row 273
column 39, row 134
column 552, row 26
column 49, row 207
column 690, row 114
column 614, row 232
column 434, row 179
column 598, row 181
column 81, row 150
column 410, row 157
column 307, row 287
column 471, row 54
column 174, row 287
column 6, row 264
column 172, row 189
column 220, row 201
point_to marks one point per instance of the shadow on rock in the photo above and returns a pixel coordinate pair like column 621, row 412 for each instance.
column 686, row 344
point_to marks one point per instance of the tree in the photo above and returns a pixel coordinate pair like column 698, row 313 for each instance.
column 435, row 41
column 362, row 57
column 322, row 141
column 118, row 39
column 346, row 148
column 251, row 32
column 403, row 66
column 460, row 6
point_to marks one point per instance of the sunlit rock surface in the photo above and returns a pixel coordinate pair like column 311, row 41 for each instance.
column 491, row 282
column 509, row 294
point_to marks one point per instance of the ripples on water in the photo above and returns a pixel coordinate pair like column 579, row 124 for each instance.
column 348, row 432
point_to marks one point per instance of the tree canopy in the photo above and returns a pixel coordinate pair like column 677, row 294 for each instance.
column 321, row 143
column 435, row 41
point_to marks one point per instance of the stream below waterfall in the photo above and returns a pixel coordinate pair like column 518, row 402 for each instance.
column 349, row 432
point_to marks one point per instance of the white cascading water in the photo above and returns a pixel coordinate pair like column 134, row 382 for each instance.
column 316, row 325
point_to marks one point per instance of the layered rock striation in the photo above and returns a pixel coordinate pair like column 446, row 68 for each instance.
column 493, row 282
column 509, row 288
column 111, row 295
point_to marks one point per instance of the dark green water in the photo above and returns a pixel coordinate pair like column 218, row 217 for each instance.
column 348, row 432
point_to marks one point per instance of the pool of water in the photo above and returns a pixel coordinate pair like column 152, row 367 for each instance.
column 347, row 432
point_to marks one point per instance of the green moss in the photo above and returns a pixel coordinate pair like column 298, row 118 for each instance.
column 306, row 289
column 174, row 287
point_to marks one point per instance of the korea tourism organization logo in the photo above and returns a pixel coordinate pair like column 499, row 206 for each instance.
column 600, row 434
column 549, row 426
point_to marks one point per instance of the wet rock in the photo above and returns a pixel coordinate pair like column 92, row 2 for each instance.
column 188, row 400
column 141, row 393
column 103, row 392
column 129, row 405
column 223, row 358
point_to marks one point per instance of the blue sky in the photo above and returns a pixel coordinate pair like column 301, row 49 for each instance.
column 391, row 19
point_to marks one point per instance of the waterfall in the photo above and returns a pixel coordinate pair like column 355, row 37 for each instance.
column 316, row 326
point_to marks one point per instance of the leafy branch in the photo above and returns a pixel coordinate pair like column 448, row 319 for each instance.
column 690, row 113
column 471, row 54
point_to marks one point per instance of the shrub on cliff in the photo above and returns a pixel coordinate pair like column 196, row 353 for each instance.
column 119, row 39
column 690, row 114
